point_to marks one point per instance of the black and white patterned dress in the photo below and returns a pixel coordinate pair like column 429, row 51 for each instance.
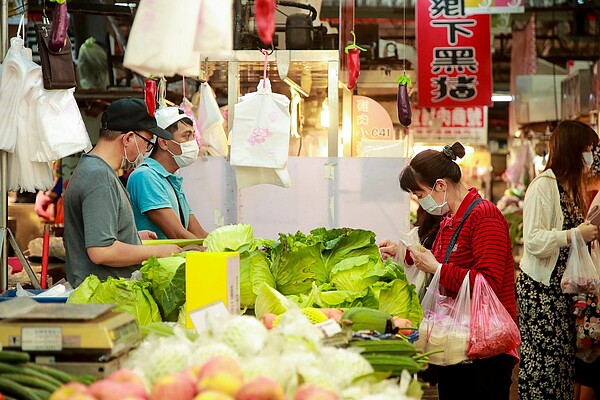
column 547, row 326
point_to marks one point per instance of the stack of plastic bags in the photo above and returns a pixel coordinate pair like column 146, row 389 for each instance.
column 37, row 125
column 210, row 123
column 260, row 138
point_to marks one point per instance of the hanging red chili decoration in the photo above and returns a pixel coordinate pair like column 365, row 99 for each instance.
column 150, row 95
column 264, row 12
column 353, row 62
column 403, row 101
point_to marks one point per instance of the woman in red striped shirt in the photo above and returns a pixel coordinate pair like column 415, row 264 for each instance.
column 482, row 246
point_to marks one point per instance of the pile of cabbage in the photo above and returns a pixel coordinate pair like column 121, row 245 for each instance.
column 329, row 268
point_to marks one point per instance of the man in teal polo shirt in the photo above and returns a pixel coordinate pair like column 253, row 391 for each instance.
column 157, row 198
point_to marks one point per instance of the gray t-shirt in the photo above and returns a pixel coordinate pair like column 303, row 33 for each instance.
column 97, row 212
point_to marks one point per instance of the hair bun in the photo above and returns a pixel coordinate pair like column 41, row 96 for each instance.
column 448, row 152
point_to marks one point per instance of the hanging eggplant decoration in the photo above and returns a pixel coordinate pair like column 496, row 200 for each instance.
column 60, row 27
column 264, row 12
column 353, row 62
column 403, row 101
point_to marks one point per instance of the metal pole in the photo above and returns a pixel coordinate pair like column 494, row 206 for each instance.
column 3, row 166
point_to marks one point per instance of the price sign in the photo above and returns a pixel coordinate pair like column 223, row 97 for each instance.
column 370, row 120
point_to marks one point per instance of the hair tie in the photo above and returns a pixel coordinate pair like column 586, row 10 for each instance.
column 448, row 152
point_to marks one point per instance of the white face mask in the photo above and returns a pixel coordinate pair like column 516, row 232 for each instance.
column 431, row 206
column 588, row 158
column 189, row 153
column 127, row 165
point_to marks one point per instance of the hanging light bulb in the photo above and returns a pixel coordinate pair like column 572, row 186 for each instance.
column 325, row 113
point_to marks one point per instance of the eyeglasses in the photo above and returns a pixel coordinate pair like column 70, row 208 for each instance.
column 149, row 144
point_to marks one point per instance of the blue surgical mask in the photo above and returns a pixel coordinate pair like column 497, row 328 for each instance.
column 588, row 158
column 431, row 206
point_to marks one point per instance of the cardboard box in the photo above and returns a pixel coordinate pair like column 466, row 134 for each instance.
column 210, row 277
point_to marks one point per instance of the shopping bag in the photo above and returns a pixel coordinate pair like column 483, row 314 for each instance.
column 162, row 38
column 587, row 327
column 414, row 275
column 261, row 129
column 493, row 331
column 445, row 323
column 580, row 275
column 210, row 123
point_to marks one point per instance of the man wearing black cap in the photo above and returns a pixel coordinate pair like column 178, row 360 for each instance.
column 100, row 234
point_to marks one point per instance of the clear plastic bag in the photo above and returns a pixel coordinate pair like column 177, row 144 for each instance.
column 580, row 275
column 493, row 331
column 445, row 324
column 414, row 275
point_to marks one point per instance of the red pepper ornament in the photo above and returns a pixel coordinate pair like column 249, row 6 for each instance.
column 353, row 62
column 264, row 12
column 150, row 95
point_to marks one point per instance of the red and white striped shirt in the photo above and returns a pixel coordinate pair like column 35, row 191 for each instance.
column 483, row 246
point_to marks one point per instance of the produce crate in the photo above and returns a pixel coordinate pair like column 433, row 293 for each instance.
column 12, row 293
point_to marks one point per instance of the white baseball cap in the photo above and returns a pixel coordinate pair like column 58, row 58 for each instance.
column 167, row 116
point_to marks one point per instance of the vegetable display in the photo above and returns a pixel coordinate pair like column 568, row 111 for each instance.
column 24, row 380
column 353, row 62
column 403, row 101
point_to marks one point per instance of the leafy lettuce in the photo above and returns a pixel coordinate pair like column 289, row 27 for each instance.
column 229, row 238
column 131, row 297
column 166, row 277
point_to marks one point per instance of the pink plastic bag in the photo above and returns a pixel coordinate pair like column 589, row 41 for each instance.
column 493, row 331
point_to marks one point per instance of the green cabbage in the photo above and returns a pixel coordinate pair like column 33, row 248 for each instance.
column 229, row 238
column 128, row 296
column 254, row 271
column 166, row 277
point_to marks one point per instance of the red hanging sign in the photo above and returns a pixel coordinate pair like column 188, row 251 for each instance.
column 453, row 55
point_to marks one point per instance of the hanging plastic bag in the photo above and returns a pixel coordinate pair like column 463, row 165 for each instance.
column 215, row 21
column 445, row 323
column 17, row 70
column 162, row 38
column 580, row 275
column 414, row 275
column 261, row 129
column 493, row 331
column 57, row 129
column 210, row 123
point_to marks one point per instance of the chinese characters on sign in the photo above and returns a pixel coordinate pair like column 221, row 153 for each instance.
column 454, row 55
column 370, row 120
column 447, row 125
column 494, row 6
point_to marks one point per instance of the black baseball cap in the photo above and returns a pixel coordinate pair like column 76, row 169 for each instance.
column 132, row 115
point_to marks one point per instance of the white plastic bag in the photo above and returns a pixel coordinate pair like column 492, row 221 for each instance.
column 414, row 275
column 261, row 129
column 57, row 129
column 580, row 275
column 446, row 323
column 210, row 123
column 170, row 37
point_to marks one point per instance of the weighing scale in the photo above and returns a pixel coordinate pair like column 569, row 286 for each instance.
column 79, row 338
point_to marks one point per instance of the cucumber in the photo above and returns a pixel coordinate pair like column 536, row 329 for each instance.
column 17, row 357
column 41, row 393
column 16, row 390
column 20, row 370
column 31, row 381
column 55, row 373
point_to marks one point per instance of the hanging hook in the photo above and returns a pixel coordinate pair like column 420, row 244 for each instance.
column 270, row 51
column 265, row 67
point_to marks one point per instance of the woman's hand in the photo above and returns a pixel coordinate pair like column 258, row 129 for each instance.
column 388, row 249
column 424, row 259
column 589, row 231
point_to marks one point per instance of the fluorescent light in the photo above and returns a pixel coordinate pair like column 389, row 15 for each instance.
column 497, row 98
column 325, row 114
